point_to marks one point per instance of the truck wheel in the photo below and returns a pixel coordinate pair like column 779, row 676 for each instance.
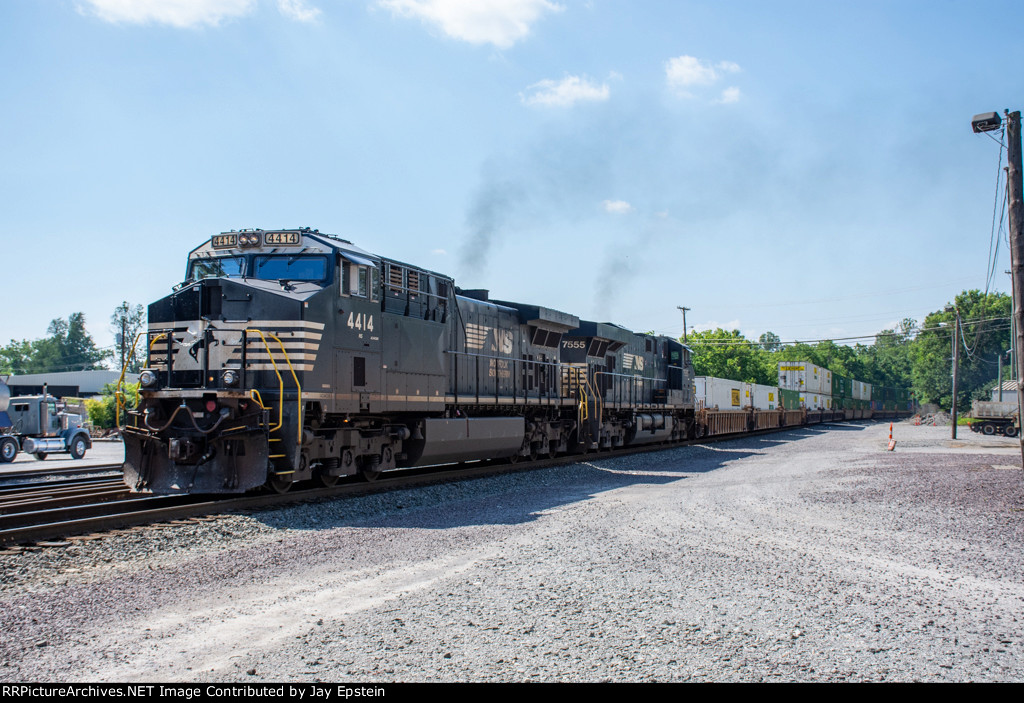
column 8, row 450
column 40, row 455
column 78, row 447
column 988, row 428
column 1010, row 431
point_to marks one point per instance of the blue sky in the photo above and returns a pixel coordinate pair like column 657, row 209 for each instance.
column 801, row 167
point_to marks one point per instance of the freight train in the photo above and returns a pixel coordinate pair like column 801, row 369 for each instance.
column 294, row 355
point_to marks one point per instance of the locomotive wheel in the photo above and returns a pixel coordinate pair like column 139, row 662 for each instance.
column 8, row 450
column 279, row 484
column 1010, row 431
column 77, row 448
column 40, row 455
column 327, row 481
column 369, row 475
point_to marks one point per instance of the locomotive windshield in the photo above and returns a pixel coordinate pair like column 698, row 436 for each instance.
column 291, row 268
column 268, row 268
column 221, row 267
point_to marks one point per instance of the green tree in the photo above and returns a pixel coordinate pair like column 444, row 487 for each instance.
column 67, row 348
column 889, row 361
column 770, row 341
column 16, row 357
column 103, row 410
column 127, row 322
column 728, row 354
column 985, row 334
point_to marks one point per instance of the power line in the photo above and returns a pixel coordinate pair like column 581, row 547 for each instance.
column 993, row 241
column 907, row 334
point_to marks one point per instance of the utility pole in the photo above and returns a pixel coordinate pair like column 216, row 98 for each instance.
column 124, row 342
column 999, row 375
column 1015, row 185
column 956, row 363
column 987, row 122
column 680, row 307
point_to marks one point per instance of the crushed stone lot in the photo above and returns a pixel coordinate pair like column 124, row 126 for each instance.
column 808, row 555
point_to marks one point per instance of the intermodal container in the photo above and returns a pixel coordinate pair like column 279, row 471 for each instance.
column 840, row 386
column 721, row 393
column 761, row 397
column 805, row 377
column 790, row 399
column 816, row 401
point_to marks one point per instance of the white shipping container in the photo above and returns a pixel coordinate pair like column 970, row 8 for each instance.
column 805, row 377
column 816, row 401
column 711, row 392
column 761, row 397
column 861, row 390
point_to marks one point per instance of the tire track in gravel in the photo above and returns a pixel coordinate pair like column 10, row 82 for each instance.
column 209, row 636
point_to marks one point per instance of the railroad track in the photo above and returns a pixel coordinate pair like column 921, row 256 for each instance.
column 8, row 478
column 119, row 510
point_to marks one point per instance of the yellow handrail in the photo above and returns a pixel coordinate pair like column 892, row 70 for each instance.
column 280, row 381
column 298, row 386
column 255, row 395
column 119, row 396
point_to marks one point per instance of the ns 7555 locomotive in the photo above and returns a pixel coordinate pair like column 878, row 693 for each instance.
column 292, row 355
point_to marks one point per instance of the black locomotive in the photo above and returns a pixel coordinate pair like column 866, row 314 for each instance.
column 291, row 355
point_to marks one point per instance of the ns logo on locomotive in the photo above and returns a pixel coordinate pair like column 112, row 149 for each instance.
column 292, row 355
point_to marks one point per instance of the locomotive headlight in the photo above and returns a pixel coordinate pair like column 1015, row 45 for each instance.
column 147, row 378
column 230, row 377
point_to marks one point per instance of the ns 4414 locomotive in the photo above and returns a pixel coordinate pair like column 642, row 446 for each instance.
column 292, row 355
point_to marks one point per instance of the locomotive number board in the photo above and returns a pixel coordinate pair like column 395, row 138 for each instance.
column 224, row 241
column 235, row 240
column 282, row 238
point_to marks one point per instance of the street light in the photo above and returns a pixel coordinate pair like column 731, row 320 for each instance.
column 986, row 122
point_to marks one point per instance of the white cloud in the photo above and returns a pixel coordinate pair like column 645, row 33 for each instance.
column 498, row 22
column 617, row 207
column 563, row 93
column 177, row 13
column 186, row 14
column 685, row 72
column 438, row 252
column 298, row 10
column 730, row 95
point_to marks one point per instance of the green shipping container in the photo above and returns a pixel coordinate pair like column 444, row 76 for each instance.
column 789, row 399
column 840, row 386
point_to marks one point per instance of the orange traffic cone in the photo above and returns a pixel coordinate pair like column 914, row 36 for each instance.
column 892, row 442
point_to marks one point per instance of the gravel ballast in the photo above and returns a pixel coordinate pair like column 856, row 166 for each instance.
column 809, row 555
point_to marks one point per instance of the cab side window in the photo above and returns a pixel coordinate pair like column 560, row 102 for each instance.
column 355, row 280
